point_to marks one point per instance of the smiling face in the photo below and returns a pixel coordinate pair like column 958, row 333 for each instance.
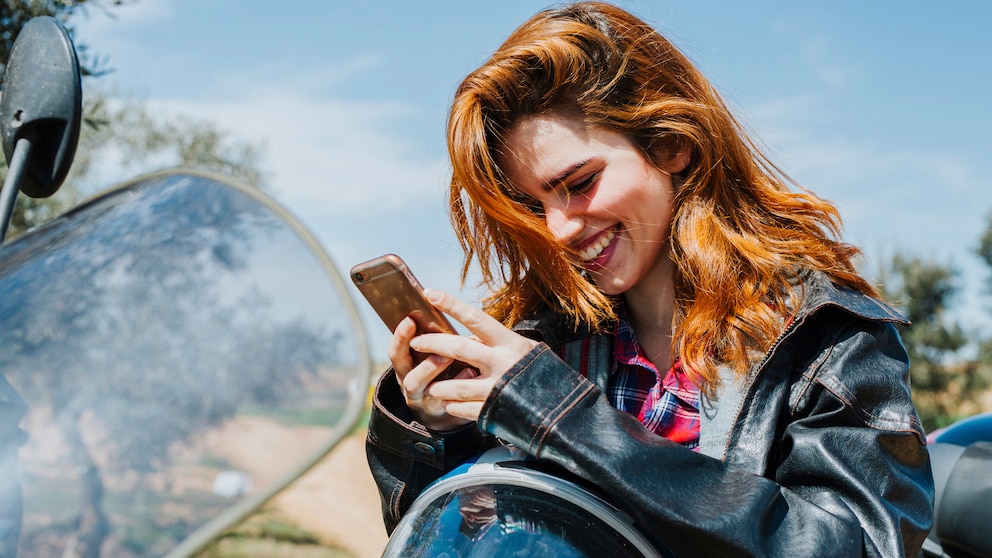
column 599, row 196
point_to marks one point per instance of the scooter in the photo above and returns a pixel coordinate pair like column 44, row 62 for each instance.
column 505, row 504
column 175, row 350
column 961, row 456
column 161, row 340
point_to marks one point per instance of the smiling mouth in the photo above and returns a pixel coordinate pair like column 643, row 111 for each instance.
column 593, row 251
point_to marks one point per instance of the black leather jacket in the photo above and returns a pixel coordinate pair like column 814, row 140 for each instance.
column 817, row 452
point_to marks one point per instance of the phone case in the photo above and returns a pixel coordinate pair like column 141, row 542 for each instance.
column 394, row 293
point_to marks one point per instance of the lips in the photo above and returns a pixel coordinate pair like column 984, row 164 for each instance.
column 593, row 251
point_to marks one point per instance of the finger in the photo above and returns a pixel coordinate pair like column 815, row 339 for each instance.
column 488, row 329
column 417, row 380
column 468, row 410
column 472, row 389
column 452, row 346
column 399, row 346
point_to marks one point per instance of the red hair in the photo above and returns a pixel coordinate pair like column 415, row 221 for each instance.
column 740, row 235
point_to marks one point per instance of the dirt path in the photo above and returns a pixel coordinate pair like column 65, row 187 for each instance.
column 337, row 501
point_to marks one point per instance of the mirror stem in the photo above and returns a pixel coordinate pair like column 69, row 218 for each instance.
column 12, row 184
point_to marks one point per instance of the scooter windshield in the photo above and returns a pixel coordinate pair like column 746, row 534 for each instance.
column 183, row 349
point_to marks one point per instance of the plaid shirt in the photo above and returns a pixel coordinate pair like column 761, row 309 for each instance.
column 667, row 406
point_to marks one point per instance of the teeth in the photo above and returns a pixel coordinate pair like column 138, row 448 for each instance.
column 593, row 251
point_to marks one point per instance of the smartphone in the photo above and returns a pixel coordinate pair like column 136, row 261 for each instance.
column 394, row 293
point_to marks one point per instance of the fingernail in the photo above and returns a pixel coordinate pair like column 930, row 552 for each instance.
column 433, row 295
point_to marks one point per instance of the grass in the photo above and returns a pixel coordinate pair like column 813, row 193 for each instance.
column 253, row 548
column 265, row 534
column 297, row 416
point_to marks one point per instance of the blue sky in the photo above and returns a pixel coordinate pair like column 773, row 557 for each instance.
column 882, row 108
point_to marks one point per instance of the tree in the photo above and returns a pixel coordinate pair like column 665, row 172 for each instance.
column 152, row 325
column 129, row 127
column 945, row 383
column 126, row 129
column 112, row 124
column 984, row 252
column 13, row 16
column 15, row 13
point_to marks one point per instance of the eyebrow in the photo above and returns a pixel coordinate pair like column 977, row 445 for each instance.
column 562, row 176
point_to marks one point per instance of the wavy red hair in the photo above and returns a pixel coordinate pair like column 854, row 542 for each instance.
column 740, row 234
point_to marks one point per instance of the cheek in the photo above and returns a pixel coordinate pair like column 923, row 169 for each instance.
column 620, row 194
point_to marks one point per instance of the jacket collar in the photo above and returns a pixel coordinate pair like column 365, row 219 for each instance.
column 553, row 328
column 718, row 417
column 819, row 292
column 816, row 290
column 717, row 421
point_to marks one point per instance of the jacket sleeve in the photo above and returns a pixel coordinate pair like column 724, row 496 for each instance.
column 839, row 488
column 404, row 456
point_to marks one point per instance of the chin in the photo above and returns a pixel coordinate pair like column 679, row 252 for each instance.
column 610, row 286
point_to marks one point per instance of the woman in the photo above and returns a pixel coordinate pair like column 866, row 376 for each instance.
column 688, row 334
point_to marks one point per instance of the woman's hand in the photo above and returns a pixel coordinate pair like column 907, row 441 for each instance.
column 414, row 378
column 492, row 350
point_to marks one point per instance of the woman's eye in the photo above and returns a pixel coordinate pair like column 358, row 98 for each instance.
column 530, row 204
column 534, row 207
column 582, row 185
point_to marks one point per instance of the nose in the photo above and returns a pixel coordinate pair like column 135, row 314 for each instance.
column 563, row 223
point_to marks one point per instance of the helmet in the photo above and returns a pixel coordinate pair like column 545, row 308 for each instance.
column 501, row 504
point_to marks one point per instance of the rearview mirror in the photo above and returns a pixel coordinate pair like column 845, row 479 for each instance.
column 41, row 106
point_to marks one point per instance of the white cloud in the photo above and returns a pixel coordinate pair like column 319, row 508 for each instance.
column 337, row 165
column 323, row 151
column 928, row 203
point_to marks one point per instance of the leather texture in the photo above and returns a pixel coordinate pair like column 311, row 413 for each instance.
column 822, row 453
